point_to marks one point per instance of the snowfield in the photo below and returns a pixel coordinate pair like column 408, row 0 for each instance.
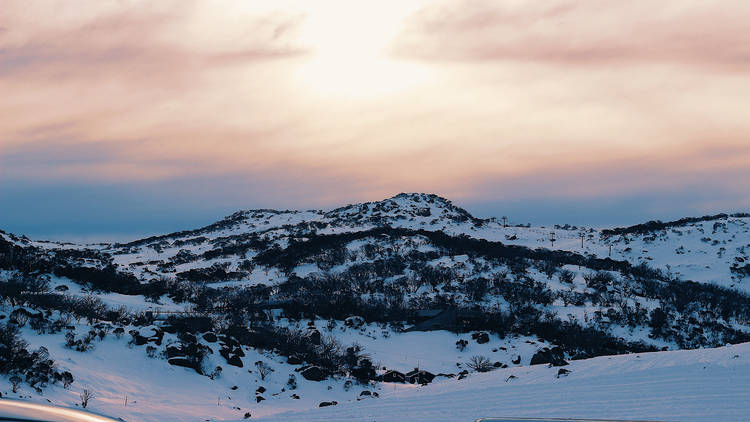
column 686, row 385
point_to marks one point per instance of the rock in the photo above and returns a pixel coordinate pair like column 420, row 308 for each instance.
column 315, row 373
column 481, row 337
column 260, row 390
column 562, row 372
column 61, row 288
column 365, row 393
column 187, row 338
column 463, row 374
column 234, row 360
column 231, row 356
column 354, row 321
column 234, row 387
column 174, row 351
column 139, row 339
column 259, row 399
column 314, row 337
column 228, row 341
column 210, row 337
column 446, row 375
column 295, row 396
column 328, row 403
column 517, row 360
column 185, row 363
column 497, row 364
column 554, row 357
column 294, row 360
column 156, row 337
column 224, row 352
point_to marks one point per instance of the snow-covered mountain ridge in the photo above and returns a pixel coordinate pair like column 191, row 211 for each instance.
column 321, row 306
column 713, row 249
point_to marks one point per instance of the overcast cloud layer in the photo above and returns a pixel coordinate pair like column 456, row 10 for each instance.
column 130, row 116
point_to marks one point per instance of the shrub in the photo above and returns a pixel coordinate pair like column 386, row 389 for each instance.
column 480, row 363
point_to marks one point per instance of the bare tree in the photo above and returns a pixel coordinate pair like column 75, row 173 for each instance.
column 86, row 395
column 479, row 363
column 15, row 381
column 263, row 369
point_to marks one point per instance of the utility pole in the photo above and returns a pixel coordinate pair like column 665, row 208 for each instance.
column 505, row 221
column 582, row 236
column 552, row 238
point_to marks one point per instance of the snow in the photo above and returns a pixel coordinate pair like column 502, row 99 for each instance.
column 694, row 385
column 706, row 384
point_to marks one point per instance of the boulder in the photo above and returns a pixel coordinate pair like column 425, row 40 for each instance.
column 188, row 338
column 315, row 373
column 139, row 339
column 294, row 360
column 174, row 351
column 481, row 337
column 185, row 363
column 156, row 337
column 328, row 403
column 234, row 360
column 210, row 337
column 314, row 337
column 554, row 357
column 354, row 321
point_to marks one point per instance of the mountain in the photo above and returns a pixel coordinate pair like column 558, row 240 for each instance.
column 321, row 306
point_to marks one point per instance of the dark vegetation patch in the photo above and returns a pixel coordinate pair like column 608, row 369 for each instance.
column 658, row 225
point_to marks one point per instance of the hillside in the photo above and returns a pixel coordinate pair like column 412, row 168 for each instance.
column 695, row 385
column 268, row 311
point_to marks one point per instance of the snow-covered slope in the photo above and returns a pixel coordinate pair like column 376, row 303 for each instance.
column 695, row 385
column 350, row 292
column 715, row 250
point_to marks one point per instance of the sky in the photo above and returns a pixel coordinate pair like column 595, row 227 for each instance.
column 126, row 118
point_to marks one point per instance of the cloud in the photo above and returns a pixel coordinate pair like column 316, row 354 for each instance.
column 508, row 100
column 587, row 32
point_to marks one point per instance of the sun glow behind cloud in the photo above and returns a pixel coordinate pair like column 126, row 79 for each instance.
column 356, row 100
column 349, row 44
